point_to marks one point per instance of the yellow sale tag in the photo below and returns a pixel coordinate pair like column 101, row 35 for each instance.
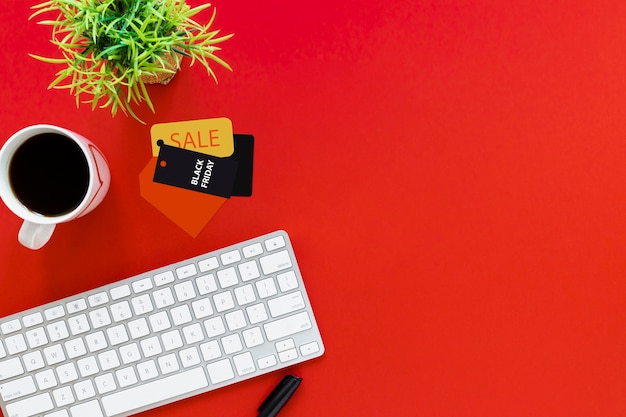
column 209, row 136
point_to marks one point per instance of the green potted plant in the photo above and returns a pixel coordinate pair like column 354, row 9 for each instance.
column 112, row 48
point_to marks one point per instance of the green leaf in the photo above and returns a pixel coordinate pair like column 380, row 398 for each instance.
column 48, row 60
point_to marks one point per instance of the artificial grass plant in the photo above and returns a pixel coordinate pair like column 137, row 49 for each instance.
column 111, row 48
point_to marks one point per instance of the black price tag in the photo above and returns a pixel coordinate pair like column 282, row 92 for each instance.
column 244, row 155
column 195, row 171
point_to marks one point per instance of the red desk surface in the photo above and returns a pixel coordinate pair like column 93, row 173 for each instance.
column 452, row 175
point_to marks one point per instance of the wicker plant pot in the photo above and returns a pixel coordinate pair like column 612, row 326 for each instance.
column 163, row 77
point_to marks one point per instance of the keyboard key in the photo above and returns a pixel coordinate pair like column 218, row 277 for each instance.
column 223, row 301
column 287, row 326
column 275, row 243
column 266, row 288
column 63, row 396
column 11, row 326
column 54, row 313
column 208, row 264
column 75, row 348
column 231, row 343
column 99, row 318
column 17, row 388
column 249, row 270
column 206, row 284
column 105, row 383
column 32, row 319
column 189, row 357
column 285, row 345
column 168, row 364
column 256, row 313
column 275, row 262
column 267, row 361
column 36, row 337
column 60, row 413
column 57, row 331
column 193, row 333
column 253, row 337
column 245, row 295
column 230, row 257
column 142, row 304
column 10, row 368
column 252, row 250
column 159, row 321
column 235, row 320
column 286, row 304
column 227, row 277
column 147, row 370
column 287, row 355
column 108, row 360
column 164, row 278
column 214, row 326
column 15, row 344
column 181, row 314
column 163, row 297
column 202, row 308
column 151, row 392
column 186, row 271
column 130, row 353
column 117, row 335
column 84, row 390
column 46, row 379
column 33, row 361
column 76, row 306
column 90, row 409
column 172, row 340
column 79, row 324
column 210, row 350
column 121, row 311
column 30, row 406
column 184, row 291
column 220, row 371
column 138, row 328
column 151, row 346
column 244, row 363
column 287, row 281
column 96, row 341
column 120, row 292
column 142, row 285
column 87, row 366
column 126, row 377
column 98, row 299
column 67, row 373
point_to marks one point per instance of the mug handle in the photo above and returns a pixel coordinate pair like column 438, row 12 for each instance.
column 35, row 235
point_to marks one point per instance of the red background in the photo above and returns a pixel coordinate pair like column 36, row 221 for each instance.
column 451, row 174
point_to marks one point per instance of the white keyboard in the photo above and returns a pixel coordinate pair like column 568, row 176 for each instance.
column 162, row 336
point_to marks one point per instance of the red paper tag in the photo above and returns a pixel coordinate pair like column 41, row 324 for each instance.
column 188, row 209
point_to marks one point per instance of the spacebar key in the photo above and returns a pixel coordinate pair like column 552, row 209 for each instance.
column 154, row 392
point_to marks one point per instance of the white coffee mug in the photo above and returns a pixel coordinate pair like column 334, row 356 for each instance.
column 50, row 175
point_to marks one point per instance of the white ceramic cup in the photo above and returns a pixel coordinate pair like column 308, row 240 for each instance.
column 37, row 228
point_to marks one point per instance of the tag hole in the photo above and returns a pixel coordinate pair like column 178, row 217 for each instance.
column 163, row 164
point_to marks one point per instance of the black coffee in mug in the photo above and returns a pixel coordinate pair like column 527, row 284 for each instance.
column 49, row 174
